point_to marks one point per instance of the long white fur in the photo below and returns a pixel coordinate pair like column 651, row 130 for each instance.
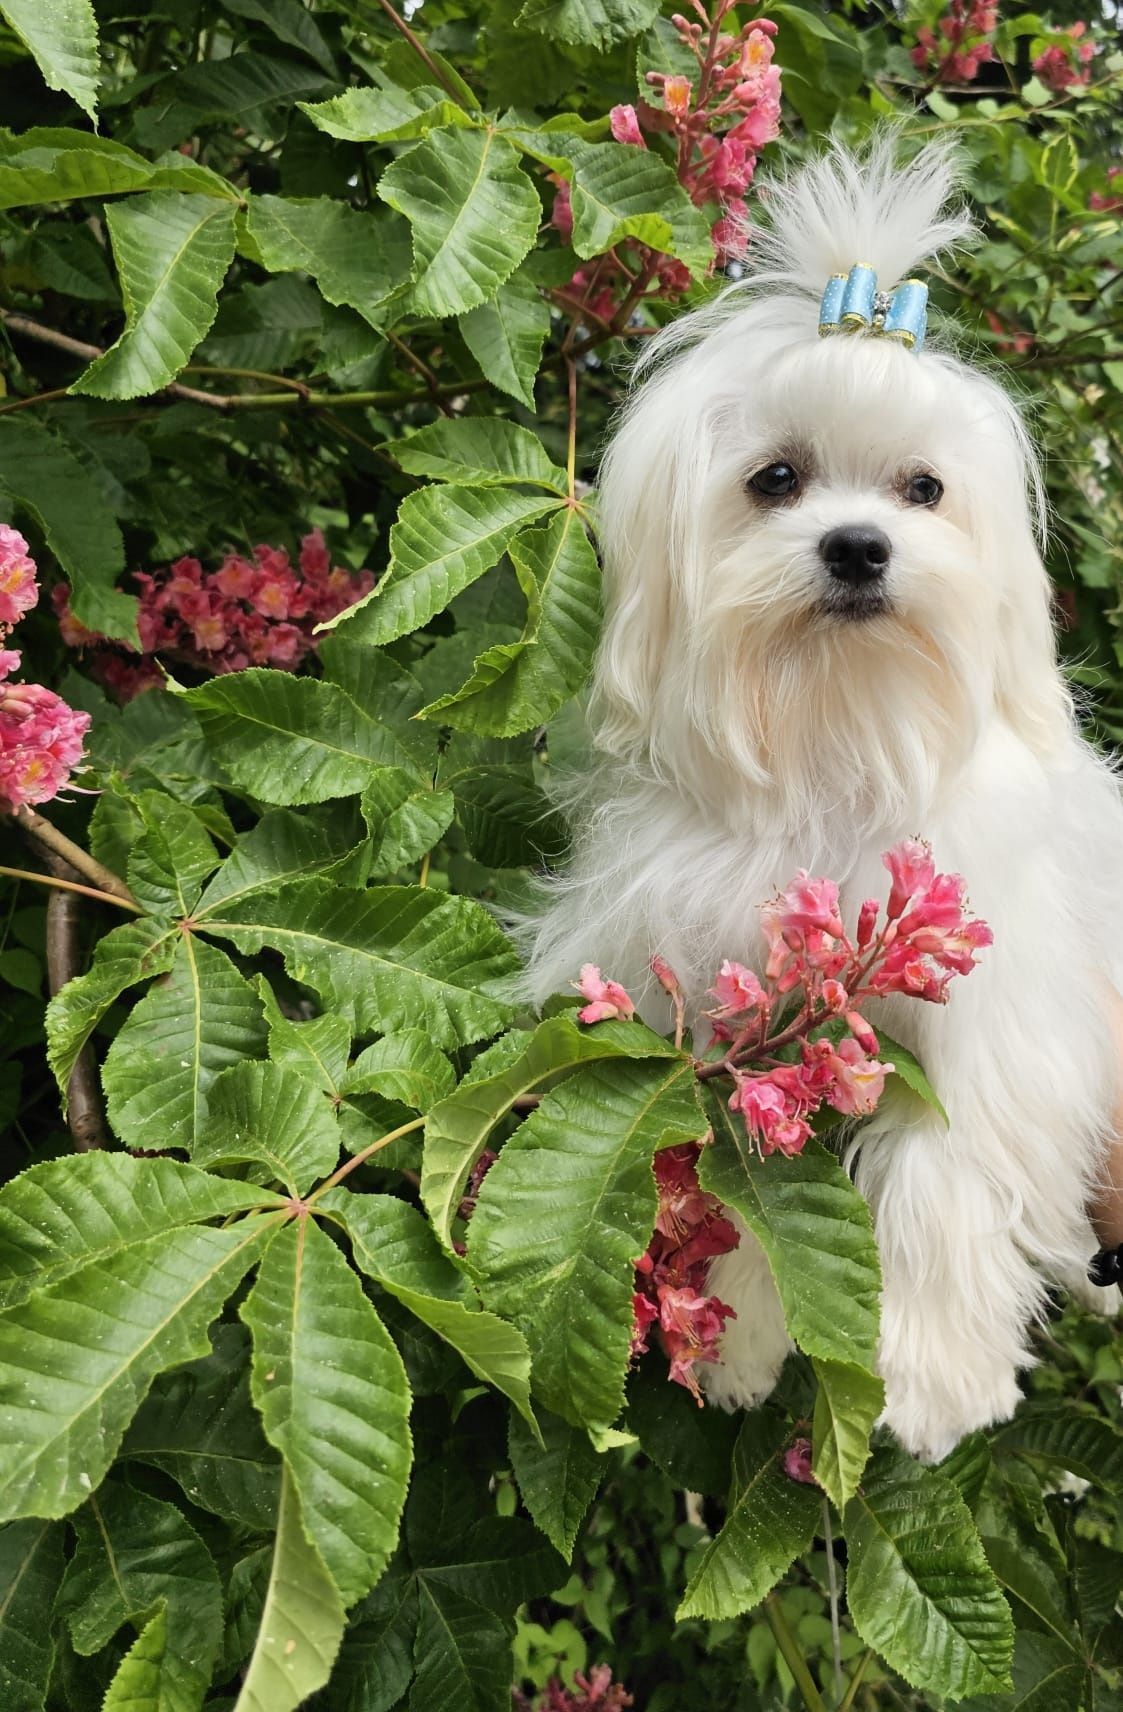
column 742, row 734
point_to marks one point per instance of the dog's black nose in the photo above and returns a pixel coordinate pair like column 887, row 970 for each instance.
column 856, row 553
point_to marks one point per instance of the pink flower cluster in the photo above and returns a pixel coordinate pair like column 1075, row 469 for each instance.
column 259, row 611
column 594, row 1692
column 719, row 120
column 41, row 738
column 691, row 1230
column 959, row 45
column 1065, row 65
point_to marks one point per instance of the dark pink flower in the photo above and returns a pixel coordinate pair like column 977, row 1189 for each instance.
column 911, row 870
column 41, row 739
column 796, row 1462
column 18, row 589
column 625, row 126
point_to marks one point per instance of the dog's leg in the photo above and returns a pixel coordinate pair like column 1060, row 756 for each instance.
column 959, row 1293
column 754, row 1345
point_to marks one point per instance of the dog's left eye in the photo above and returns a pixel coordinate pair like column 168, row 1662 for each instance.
column 924, row 490
column 775, row 481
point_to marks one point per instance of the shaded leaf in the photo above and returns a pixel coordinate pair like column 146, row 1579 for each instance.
column 31, row 1566
column 1068, row 1436
column 593, row 23
column 405, row 1066
column 910, row 1071
column 284, row 846
column 558, row 1478
column 128, row 954
column 507, row 821
column 171, row 857
column 317, row 1049
column 244, row 89
column 355, row 258
column 406, row 818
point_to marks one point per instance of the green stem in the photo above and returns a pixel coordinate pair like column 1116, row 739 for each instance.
column 855, row 1682
column 353, row 1164
column 792, row 1656
column 67, row 886
column 46, row 834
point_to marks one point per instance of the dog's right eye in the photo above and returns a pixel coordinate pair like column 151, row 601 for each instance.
column 775, row 481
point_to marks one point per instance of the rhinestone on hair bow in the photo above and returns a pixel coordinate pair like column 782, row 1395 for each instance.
column 851, row 303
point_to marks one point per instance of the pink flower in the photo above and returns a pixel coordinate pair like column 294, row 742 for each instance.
column 41, row 739
column 862, row 1032
column 691, row 1325
column 18, row 588
column 607, row 999
column 911, row 869
column 796, row 1462
column 676, row 96
column 625, row 126
column 808, row 906
column 315, row 560
column 835, row 996
column 867, row 921
column 859, row 1082
column 771, row 1115
column 645, row 1314
column 561, row 215
column 1057, row 67
column 737, row 990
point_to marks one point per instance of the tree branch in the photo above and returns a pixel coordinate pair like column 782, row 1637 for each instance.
column 42, row 832
column 83, row 1103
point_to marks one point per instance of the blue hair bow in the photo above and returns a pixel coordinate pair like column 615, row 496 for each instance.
column 851, row 303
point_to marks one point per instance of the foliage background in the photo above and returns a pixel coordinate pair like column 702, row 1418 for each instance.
column 313, row 365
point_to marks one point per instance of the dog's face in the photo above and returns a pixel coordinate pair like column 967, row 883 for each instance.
column 817, row 550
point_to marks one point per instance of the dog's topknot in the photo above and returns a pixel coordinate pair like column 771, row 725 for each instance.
column 846, row 207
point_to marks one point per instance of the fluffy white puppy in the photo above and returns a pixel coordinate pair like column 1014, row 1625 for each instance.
column 828, row 627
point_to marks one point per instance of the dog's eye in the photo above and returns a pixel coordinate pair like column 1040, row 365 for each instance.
column 924, row 490
column 775, row 481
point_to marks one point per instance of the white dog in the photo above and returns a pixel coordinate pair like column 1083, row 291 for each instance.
column 828, row 628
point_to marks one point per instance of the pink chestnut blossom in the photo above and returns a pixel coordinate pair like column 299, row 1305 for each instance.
column 796, row 1462
column 607, row 999
column 18, row 589
column 625, row 126
column 738, row 990
column 807, row 906
column 911, row 870
column 41, row 739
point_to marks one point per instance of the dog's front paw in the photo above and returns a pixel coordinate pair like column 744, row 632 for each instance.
column 930, row 1412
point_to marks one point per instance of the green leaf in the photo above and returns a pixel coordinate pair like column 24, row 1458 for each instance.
column 406, row 818
column 291, row 740
column 41, row 473
column 558, row 1477
column 375, row 1664
column 515, row 686
column 128, row 954
column 62, row 37
column 593, row 23
column 563, row 1215
column 172, row 857
column 245, row 89
column 392, row 1244
column 387, row 115
column 197, row 1021
column 1048, row 1677
column 139, row 1561
column 76, row 1360
column 478, row 451
column 356, row 259
column 302, row 1621
column 58, row 1216
column 506, row 337
column 1065, row 1435
column 31, row 1566
column 199, row 1426
column 284, row 846
column 290, row 23
column 847, row 1404
column 458, row 1128
column 473, row 211
column 770, row 1520
column 274, row 1120
column 918, row 1586
column 910, row 1071
column 462, row 1654
column 334, row 1401
column 172, row 252
column 507, row 821
column 693, row 1447
column 389, row 958
column 54, row 164
column 317, row 1049
column 405, row 1066
column 443, row 540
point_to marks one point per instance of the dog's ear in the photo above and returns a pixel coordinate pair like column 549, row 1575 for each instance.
column 651, row 478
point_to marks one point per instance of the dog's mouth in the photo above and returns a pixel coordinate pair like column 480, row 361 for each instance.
column 856, row 605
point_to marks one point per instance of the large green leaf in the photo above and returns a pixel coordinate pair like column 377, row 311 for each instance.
column 356, row 259
column 62, row 35
column 273, row 1120
column 31, row 1566
column 76, row 1360
column 918, row 1585
column 443, row 540
column 558, row 1475
column 133, row 952
column 462, row 1654
column 507, row 820
column 770, row 1520
column 249, row 90
column 317, row 1049
column 302, row 1620
column 59, row 1215
column 375, row 1664
column 479, row 451
column 198, row 1425
column 200, row 1019
column 474, row 214
column 565, row 1212
column 506, row 337
column 172, row 252
column 1066, row 1436
column 54, row 164
column 406, row 817
column 171, row 858
column 405, row 1066
column 284, row 846
column 41, row 473
column 292, row 740
column 457, row 1131
column 588, row 23
column 517, row 685
column 816, row 1232
column 386, row 115
column 392, row 1243
column 389, row 958
column 334, row 1400
column 139, row 1561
